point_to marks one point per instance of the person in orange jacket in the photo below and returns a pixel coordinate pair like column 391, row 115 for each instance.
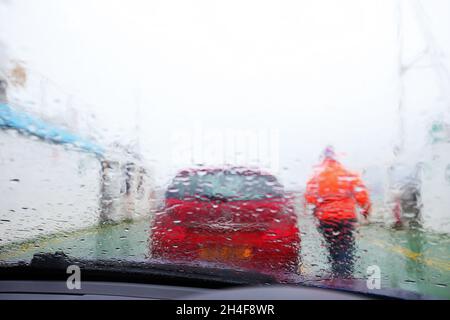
column 335, row 194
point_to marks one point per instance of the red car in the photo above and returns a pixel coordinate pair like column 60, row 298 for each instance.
column 238, row 217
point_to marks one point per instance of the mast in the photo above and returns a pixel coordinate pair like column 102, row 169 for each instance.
column 430, row 52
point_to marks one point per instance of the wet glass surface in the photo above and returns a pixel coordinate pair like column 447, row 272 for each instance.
column 412, row 260
column 307, row 139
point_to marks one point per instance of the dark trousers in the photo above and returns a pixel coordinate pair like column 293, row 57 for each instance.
column 340, row 242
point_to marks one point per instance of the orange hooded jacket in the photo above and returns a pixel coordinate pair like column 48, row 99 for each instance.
column 335, row 192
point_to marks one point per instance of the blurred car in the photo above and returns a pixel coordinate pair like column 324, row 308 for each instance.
column 238, row 216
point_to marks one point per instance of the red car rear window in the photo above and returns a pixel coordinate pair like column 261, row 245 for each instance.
column 226, row 185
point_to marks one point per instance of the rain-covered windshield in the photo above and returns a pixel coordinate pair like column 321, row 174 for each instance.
column 306, row 139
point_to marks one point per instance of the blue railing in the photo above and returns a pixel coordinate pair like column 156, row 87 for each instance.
column 31, row 125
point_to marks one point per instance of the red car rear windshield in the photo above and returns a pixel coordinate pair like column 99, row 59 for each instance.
column 226, row 185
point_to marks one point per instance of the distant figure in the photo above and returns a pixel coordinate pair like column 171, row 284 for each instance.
column 335, row 193
column 407, row 200
column 107, row 194
column 3, row 86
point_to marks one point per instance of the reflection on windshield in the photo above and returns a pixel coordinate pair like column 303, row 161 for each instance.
column 262, row 138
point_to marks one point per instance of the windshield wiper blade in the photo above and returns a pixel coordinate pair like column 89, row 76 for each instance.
column 53, row 266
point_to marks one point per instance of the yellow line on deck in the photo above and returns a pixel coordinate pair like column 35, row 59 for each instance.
column 416, row 256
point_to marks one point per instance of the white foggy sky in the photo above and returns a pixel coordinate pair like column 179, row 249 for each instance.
column 320, row 71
